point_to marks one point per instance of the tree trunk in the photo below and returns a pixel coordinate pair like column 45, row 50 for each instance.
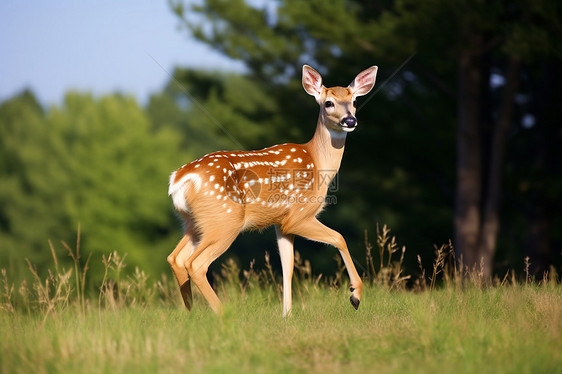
column 469, row 162
column 491, row 222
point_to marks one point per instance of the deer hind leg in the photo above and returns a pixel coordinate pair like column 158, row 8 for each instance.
column 177, row 258
column 286, row 252
column 314, row 230
column 212, row 245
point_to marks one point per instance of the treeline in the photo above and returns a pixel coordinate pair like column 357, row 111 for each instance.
column 102, row 163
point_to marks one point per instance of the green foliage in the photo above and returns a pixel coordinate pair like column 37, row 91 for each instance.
column 399, row 165
column 104, row 162
column 97, row 163
column 381, row 179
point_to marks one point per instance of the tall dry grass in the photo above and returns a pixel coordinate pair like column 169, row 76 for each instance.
column 65, row 287
column 447, row 319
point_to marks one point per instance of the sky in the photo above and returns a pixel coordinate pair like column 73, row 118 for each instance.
column 97, row 46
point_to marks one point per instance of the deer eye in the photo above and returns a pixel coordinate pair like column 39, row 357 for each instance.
column 328, row 104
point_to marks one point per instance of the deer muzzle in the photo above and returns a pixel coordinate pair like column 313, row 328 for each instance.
column 349, row 122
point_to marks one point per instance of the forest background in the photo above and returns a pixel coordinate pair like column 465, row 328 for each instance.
column 461, row 139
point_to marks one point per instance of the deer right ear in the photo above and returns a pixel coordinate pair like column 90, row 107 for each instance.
column 312, row 82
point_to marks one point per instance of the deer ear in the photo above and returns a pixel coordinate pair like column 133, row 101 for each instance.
column 364, row 81
column 312, row 82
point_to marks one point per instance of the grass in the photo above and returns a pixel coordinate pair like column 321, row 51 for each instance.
column 456, row 324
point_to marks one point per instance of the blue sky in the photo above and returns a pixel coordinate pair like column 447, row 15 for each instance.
column 97, row 46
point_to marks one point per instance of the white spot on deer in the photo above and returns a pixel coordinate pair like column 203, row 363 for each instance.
column 217, row 186
column 291, row 186
column 293, row 149
column 196, row 166
column 229, row 210
column 211, row 178
column 211, row 163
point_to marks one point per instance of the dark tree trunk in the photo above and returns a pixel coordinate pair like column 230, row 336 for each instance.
column 478, row 191
column 498, row 147
column 469, row 161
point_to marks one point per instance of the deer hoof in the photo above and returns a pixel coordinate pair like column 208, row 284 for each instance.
column 354, row 301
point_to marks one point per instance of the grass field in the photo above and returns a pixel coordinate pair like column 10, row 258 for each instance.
column 507, row 329
column 132, row 325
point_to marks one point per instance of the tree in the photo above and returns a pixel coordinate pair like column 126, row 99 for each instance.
column 459, row 48
column 96, row 163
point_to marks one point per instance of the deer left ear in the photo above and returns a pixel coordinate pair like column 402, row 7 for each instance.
column 364, row 81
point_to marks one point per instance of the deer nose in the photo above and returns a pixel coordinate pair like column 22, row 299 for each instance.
column 349, row 121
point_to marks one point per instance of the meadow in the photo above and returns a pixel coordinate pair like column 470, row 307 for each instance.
column 445, row 321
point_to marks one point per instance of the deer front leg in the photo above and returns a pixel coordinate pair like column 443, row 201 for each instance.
column 314, row 230
column 286, row 252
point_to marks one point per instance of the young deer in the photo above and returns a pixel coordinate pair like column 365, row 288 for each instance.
column 224, row 193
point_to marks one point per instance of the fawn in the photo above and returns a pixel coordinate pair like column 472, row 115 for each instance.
column 224, row 193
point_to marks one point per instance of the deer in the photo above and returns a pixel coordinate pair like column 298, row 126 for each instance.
column 224, row 193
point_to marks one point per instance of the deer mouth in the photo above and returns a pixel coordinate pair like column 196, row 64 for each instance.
column 348, row 123
column 347, row 128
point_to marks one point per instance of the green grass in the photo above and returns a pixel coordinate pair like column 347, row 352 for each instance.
column 451, row 321
column 503, row 329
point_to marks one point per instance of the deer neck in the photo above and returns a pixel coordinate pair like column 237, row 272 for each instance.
column 326, row 147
